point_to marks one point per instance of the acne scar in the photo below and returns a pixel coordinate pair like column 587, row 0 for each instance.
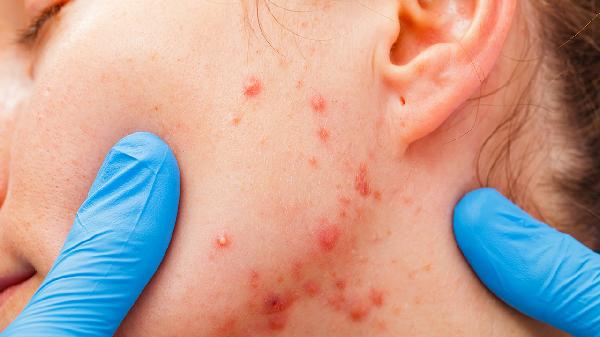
column 252, row 87
column 323, row 135
column 236, row 121
column 318, row 104
column 361, row 183
column 223, row 241
column 328, row 236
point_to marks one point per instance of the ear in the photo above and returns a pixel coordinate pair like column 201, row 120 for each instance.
column 437, row 55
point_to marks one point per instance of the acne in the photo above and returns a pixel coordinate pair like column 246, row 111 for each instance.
column 312, row 288
column 359, row 310
column 402, row 100
column 323, row 135
column 328, row 236
column 318, row 104
column 252, row 87
column 313, row 163
column 223, row 241
column 376, row 297
column 275, row 303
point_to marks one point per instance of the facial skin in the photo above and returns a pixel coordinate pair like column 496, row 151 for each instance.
column 322, row 149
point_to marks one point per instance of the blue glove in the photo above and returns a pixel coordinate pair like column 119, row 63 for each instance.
column 117, row 242
column 536, row 269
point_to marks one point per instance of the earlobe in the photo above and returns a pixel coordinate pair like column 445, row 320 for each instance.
column 443, row 51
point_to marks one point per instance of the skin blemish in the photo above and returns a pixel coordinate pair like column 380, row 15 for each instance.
column 345, row 201
column 252, row 87
column 340, row 284
column 254, row 280
column 312, row 162
column 377, row 195
column 236, row 121
column 328, row 236
column 376, row 297
column 318, row 104
column 402, row 100
column 323, row 135
column 358, row 311
column 361, row 183
column 312, row 288
column 277, row 323
column 223, row 241
column 276, row 303
column 337, row 302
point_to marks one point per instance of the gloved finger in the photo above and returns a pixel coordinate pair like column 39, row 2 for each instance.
column 117, row 242
column 538, row 270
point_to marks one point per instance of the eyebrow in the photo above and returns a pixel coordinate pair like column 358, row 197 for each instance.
column 29, row 34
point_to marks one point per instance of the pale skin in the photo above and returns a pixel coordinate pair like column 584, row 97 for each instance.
column 322, row 151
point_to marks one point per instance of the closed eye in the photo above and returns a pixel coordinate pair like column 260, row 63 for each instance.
column 29, row 35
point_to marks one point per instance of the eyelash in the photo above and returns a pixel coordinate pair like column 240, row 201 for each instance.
column 30, row 34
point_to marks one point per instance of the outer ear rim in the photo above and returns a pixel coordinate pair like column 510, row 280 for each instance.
column 473, row 58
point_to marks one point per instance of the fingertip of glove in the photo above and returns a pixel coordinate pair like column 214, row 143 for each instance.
column 145, row 147
column 474, row 209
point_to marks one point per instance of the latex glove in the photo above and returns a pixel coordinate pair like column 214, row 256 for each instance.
column 536, row 269
column 117, row 242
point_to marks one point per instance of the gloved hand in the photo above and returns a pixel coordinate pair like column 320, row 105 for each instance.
column 536, row 269
column 117, row 242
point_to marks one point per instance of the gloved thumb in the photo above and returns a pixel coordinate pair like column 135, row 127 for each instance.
column 117, row 242
column 536, row 269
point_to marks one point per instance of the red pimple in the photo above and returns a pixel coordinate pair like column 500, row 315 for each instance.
column 402, row 100
column 376, row 297
column 318, row 103
column 275, row 303
column 340, row 284
column 328, row 236
column 223, row 240
column 323, row 135
column 252, row 87
column 313, row 162
column 278, row 322
column 358, row 311
column 361, row 183
column 312, row 288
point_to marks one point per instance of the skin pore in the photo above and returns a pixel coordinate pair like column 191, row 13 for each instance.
column 322, row 145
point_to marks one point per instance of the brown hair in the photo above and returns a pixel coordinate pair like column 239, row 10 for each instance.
column 567, row 38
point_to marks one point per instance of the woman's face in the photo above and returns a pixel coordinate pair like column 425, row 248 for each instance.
column 300, row 215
